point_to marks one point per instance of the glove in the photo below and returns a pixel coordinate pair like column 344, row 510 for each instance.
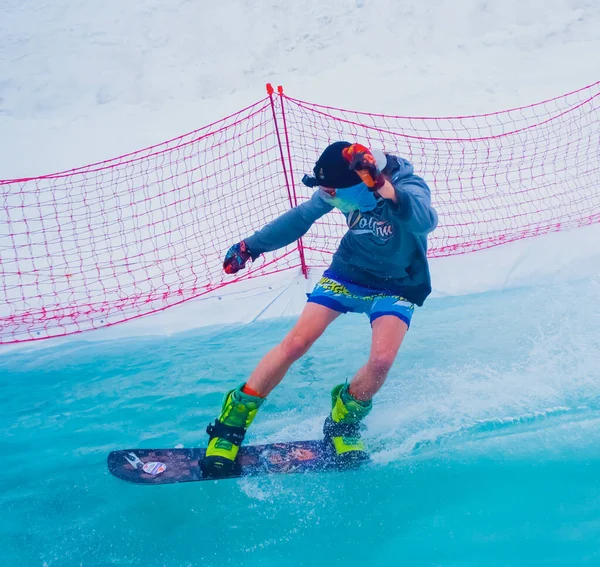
column 363, row 162
column 236, row 258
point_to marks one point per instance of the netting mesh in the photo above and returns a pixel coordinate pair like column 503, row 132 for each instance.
column 115, row 240
column 495, row 178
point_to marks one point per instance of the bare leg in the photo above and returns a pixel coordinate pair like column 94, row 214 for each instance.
column 388, row 333
column 274, row 365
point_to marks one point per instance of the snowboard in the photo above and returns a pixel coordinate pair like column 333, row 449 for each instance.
column 167, row 466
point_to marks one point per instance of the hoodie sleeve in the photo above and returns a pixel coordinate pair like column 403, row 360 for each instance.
column 414, row 205
column 288, row 227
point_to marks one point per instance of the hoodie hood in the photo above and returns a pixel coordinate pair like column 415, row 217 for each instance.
column 397, row 168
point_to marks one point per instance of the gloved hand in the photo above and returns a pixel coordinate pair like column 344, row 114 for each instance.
column 363, row 162
column 236, row 258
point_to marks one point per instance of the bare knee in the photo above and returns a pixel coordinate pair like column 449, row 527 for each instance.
column 296, row 345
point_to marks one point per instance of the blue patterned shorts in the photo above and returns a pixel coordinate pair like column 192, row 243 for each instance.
column 347, row 297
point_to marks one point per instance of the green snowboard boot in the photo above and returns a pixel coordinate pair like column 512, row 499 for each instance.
column 228, row 432
column 343, row 426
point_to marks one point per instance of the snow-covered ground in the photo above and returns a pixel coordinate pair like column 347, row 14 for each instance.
column 81, row 82
column 85, row 81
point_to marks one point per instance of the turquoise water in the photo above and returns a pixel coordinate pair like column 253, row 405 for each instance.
column 484, row 439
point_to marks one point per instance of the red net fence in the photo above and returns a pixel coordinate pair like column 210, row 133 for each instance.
column 115, row 240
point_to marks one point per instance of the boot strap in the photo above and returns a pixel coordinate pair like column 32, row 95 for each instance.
column 232, row 434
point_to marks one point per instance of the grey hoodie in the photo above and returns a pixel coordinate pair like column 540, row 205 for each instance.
column 384, row 249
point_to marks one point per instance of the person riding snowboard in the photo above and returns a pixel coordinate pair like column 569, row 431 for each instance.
column 380, row 268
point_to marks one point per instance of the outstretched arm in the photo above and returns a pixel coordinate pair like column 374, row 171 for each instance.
column 289, row 227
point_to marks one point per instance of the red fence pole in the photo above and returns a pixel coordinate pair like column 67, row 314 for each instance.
column 293, row 187
column 290, row 186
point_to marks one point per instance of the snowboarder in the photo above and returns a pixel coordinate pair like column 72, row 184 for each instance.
column 380, row 268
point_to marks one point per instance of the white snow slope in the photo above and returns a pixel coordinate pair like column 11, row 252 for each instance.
column 84, row 81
